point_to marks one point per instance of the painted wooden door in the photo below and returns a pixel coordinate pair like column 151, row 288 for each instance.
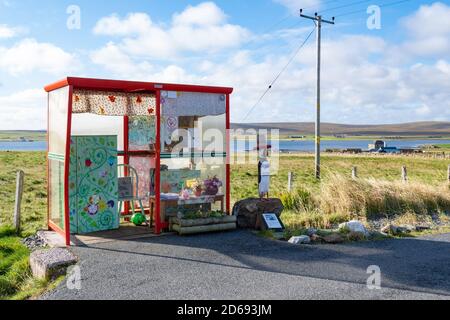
column 94, row 191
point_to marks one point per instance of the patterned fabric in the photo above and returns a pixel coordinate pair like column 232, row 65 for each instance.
column 178, row 104
column 108, row 103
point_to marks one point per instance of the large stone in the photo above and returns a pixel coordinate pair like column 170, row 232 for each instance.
column 300, row 240
column 249, row 211
column 397, row 230
column 354, row 226
column 51, row 263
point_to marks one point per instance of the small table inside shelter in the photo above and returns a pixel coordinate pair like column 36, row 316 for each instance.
column 166, row 204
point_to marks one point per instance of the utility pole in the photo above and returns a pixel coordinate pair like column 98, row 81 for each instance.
column 318, row 20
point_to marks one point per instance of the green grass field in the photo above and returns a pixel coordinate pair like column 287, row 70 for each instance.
column 424, row 170
column 244, row 178
column 427, row 177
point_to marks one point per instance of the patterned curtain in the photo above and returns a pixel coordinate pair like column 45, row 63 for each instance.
column 107, row 103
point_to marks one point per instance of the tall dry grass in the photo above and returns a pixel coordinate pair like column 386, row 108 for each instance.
column 341, row 198
column 372, row 198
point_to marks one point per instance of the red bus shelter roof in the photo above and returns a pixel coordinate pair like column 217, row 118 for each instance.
column 131, row 86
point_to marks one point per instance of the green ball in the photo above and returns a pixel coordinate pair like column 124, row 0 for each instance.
column 138, row 219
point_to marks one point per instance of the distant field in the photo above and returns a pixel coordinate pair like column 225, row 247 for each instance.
column 29, row 135
column 418, row 129
column 425, row 170
column 243, row 178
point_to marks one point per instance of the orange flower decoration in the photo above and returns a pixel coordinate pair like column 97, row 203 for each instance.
column 112, row 98
column 151, row 110
column 77, row 98
column 139, row 100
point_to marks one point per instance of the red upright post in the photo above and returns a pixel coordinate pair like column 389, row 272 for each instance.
column 67, row 168
column 228, row 158
column 126, row 157
column 158, row 164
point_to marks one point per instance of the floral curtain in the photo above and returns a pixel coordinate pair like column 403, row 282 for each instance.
column 113, row 103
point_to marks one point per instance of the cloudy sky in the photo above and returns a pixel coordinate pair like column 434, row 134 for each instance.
column 398, row 73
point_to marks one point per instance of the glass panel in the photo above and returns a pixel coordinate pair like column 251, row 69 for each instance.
column 192, row 185
column 141, row 133
column 87, row 124
column 144, row 167
column 56, row 192
column 193, row 122
column 58, row 101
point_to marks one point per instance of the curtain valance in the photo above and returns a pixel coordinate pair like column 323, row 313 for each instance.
column 109, row 103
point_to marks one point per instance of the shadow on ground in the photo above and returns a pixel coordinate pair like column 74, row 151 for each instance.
column 416, row 264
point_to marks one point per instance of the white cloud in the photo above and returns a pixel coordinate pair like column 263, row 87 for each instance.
column 28, row 55
column 429, row 29
column 190, row 31
column 23, row 110
column 7, row 32
column 204, row 14
column 117, row 62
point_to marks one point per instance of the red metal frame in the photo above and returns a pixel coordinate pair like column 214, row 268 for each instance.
column 126, row 157
column 48, row 163
column 158, row 226
column 130, row 86
column 67, row 169
column 228, row 158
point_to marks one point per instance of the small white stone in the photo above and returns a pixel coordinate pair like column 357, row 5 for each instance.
column 300, row 240
column 354, row 226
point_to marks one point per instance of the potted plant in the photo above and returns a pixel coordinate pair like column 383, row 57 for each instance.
column 198, row 190
column 212, row 186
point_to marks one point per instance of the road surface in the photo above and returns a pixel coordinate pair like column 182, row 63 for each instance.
column 241, row 265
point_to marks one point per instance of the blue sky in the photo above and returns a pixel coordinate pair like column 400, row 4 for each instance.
column 398, row 73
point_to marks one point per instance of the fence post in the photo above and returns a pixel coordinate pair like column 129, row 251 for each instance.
column 19, row 192
column 354, row 172
column 290, row 181
column 404, row 174
column 448, row 174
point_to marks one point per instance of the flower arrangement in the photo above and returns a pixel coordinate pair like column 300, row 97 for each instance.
column 212, row 185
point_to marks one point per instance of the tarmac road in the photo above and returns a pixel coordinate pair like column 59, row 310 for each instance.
column 240, row 265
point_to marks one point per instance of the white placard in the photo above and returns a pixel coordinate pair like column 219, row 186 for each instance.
column 272, row 221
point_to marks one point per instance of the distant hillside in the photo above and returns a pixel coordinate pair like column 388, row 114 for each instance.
column 429, row 128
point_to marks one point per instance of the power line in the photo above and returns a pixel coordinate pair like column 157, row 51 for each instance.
column 322, row 3
column 279, row 74
column 381, row 6
column 346, row 5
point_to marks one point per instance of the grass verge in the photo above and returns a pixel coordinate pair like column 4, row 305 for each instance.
column 16, row 280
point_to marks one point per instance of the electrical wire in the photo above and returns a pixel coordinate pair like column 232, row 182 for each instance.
column 280, row 73
column 346, row 5
column 364, row 10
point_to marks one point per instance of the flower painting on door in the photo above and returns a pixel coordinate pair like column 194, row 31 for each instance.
column 93, row 184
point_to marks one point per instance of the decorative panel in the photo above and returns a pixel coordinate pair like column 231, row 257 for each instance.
column 109, row 103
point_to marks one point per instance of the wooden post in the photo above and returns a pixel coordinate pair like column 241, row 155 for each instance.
column 355, row 173
column 448, row 174
column 290, row 181
column 19, row 192
column 404, row 174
